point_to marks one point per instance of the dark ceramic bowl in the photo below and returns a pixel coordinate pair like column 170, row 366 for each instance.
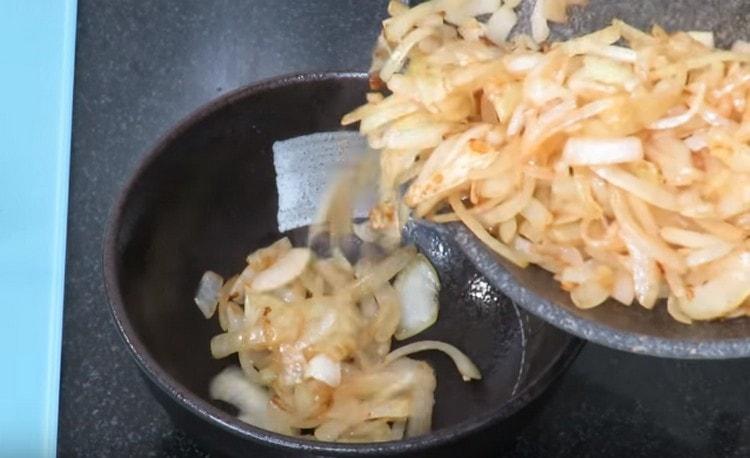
column 206, row 195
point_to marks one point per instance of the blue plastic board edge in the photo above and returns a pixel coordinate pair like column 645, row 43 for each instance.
column 37, row 53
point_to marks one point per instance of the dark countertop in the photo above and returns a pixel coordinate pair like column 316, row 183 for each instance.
column 143, row 65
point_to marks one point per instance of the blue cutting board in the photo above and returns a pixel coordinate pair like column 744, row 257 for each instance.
column 36, row 89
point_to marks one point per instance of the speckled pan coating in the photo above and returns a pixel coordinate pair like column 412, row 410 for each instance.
column 633, row 329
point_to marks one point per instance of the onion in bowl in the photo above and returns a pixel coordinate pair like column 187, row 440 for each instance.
column 313, row 339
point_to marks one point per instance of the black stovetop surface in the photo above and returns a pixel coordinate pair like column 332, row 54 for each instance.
column 141, row 66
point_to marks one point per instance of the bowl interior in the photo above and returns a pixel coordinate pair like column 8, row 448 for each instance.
column 206, row 196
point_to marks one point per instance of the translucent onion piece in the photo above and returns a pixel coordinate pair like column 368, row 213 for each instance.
column 476, row 227
column 589, row 294
column 235, row 317
column 418, row 286
column 223, row 345
column 253, row 402
column 707, row 254
column 598, row 151
column 262, row 258
column 650, row 192
column 325, row 369
column 511, row 207
column 399, row 54
column 420, row 416
column 690, row 239
column 675, row 121
column 721, row 229
column 539, row 27
column 449, row 164
column 646, row 275
column 247, row 364
column 286, row 269
column 673, row 307
column 723, row 293
column 622, row 289
column 398, row 26
column 500, row 25
column 231, row 386
column 468, row 369
column 704, row 38
column 388, row 314
column 207, row 295
column 396, row 7
column 380, row 273
column 647, row 243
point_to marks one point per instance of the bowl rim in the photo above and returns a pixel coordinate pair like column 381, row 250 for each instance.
column 589, row 329
column 202, row 408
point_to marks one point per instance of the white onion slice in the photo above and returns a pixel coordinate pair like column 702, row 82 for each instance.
column 468, row 370
column 422, row 402
column 622, row 289
column 707, row 254
column 231, row 386
column 653, row 193
column 702, row 37
column 247, row 364
column 723, row 293
column 741, row 46
column 500, row 25
column 251, row 400
column 696, row 142
column 673, row 307
column 417, row 286
column 539, row 27
column 617, row 53
column 207, row 295
column 235, row 317
column 689, row 239
column 323, row 368
column 394, row 408
column 648, row 244
column 284, row 270
column 589, row 295
column 396, row 27
column 696, row 103
column 601, row 151
column 399, row 55
column 520, row 64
